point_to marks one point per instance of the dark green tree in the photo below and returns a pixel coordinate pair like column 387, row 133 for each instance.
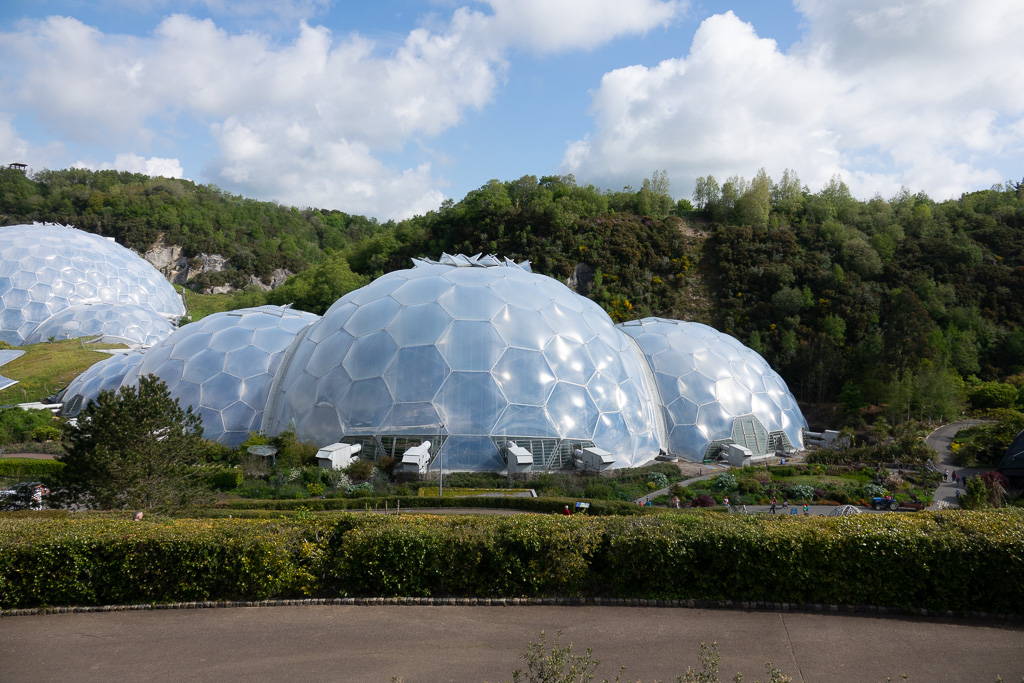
column 134, row 449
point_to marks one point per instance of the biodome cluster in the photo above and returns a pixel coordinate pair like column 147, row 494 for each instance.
column 475, row 354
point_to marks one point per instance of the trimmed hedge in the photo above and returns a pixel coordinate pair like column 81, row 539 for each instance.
column 597, row 507
column 29, row 468
column 950, row 560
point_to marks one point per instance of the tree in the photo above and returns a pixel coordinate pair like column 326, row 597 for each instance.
column 755, row 204
column 706, row 193
column 134, row 449
column 318, row 287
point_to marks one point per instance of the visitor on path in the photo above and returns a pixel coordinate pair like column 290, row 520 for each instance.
column 785, row 503
column 958, row 496
column 807, row 510
column 774, row 503
column 744, row 508
column 566, row 510
column 726, row 502
column 945, row 475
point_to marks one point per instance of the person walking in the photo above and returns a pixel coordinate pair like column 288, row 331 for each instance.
column 774, row 503
column 945, row 475
column 807, row 510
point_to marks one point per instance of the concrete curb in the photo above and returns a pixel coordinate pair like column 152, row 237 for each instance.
column 745, row 605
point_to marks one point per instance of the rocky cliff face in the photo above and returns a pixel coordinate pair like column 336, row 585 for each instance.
column 167, row 258
column 179, row 269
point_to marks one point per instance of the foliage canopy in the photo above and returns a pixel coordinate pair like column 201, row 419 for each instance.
column 134, row 449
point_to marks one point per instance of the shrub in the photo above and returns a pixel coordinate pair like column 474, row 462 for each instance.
column 874, row 491
column 60, row 559
column 725, row 483
column 704, row 501
column 363, row 490
column 29, row 468
column 842, row 497
column 659, row 480
column 359, row 470
column 801, row 491
column 750, row 486
column 227, row 478
column 46, row 433
column 20, row 425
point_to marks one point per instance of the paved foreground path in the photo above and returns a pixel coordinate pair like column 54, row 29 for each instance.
column 433, row 644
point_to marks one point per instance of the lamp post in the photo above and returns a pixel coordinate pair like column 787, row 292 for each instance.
column 440, row 462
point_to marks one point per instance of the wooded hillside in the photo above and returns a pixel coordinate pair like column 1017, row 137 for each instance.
column 894, row 301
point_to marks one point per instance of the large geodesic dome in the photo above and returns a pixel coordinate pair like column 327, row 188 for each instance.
column 469, row 353
column 716, row 390
column 105, row 375
column 223, row 366
column 124, row 323
column 46, row 268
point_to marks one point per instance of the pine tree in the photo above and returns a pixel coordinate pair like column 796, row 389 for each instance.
column 134, row 449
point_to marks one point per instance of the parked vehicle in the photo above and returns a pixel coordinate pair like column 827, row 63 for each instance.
column 886, row 503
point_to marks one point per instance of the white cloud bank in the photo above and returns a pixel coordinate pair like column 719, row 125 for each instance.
column 926, row 94
column 305, row 123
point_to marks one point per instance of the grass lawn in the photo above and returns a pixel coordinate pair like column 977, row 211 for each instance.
column 202, row 305
column 48, row 367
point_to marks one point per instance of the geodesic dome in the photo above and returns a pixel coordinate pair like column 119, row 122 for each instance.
column 223, row 366
column 715, row 389
column 106, row 374
column 45, row 268
column 469, row 353
column 133, row 325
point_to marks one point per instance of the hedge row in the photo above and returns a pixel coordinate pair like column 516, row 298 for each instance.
column 950, row 560
column 29, row 468
column 597, row 507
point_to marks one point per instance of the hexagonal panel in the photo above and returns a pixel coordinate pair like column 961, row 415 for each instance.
column 524, row 376
column 419, row 324
column 470, row 403
column 416, row 373
column 471, row 303
column 471, row 345
column 370, row 355
column 523, row 327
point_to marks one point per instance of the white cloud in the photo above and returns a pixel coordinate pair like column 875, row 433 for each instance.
column 133, row 163
column 924, row 94
column 554, row 25
column 305, row 121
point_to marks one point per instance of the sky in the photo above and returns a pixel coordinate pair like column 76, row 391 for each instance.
column 388, row 108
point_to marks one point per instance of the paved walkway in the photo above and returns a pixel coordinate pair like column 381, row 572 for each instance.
column 434, row 644
column 939, row 440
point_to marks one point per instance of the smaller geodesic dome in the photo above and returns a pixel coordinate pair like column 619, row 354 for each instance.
column 45, row 268
column 125, row 323
column 223, row 366
column 716, row 390
column 101, row 376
